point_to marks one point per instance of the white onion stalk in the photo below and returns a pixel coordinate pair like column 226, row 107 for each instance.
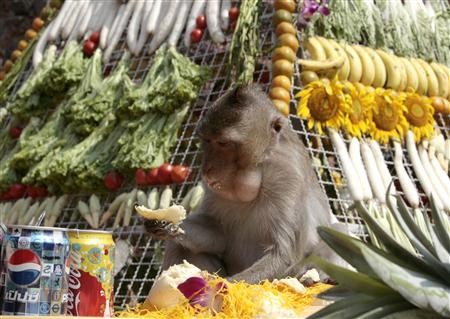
column 419, row 169
column 353, row 182
column 152, row 20
column 382, row 167
column 72, row 18
column 57, row 24
column 437, row 188
column 107, row 25
column 198, row 8
column 376, row 182
column 213, row 18
column 355, row 156
column 143, row 35
column 408, row 186
column 133, row 26
column 38, row 53
column 165, row 26
column 180, row 22
column 224, row 14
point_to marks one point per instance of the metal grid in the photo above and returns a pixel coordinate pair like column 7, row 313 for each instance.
column 136, row 278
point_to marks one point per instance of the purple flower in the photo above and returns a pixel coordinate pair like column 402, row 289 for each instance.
column 310, row 7
column 199, row 292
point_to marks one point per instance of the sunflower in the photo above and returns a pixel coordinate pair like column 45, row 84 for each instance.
column 361, row 102
column 387, row 116
column 323, row 103
column 419, row 114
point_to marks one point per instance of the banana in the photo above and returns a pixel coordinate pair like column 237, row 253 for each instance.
column 422, row 75
column 355, row 63
column 315, row 49
column 380, row 69
column 392, row 68
column 344, row 71
column 442, row 77
column 368, row 73
column 433, row 84
column 413, row 78
column 404, row 82
column 447, row 71
column 334, row 61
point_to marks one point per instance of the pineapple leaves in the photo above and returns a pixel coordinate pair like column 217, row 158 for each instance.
column 441, row 228
column 420, row 289
column 358, row 282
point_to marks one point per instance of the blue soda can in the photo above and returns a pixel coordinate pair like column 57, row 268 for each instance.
column 36, row 270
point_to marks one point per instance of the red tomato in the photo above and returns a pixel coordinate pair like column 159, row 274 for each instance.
column 17, row 190
column 152, row 177
column 179, row 173
column 140, row 177
column 15, row 132
column 5, row 196
column 196, row 35
column 31, row 191
column 233, row 14
column 95, row 37
column 164, row 173
column 41, row 191
column 201, row 22
column 113, row 180
column 89, row 48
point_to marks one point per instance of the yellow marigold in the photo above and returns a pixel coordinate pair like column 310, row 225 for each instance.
column 323, row 104
column 360, row 104
column 419, row 114
column 387, row 119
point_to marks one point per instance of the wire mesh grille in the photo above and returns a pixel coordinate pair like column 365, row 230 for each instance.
column 135, row 280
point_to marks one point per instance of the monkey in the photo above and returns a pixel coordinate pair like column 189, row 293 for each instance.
column 262, row 199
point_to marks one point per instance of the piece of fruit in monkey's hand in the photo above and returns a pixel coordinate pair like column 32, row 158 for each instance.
column 163, row 223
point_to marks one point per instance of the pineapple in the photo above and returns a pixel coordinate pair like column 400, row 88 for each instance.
column 392, row 279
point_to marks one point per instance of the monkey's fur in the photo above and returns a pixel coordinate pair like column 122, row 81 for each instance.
column 262, row 203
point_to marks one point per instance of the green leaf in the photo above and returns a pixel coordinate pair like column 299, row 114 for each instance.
column 342, row 305
column 442, row 231
column 386, row 309
column 354, row 281
column 418, row 288
column 413, row 314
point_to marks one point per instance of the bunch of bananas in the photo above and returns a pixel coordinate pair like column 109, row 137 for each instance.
column 373, row 67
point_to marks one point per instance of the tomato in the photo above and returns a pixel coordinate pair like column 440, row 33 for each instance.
column 289, row 40
column 281, row 106
column 201, row 22
column 164, row 173
column 95, row 37
column 17, row 190
column 179, row 173
column 282, row 15
column 15, row 132
column 233, row 14
column 140, row 177
column 152, row 177
column 37, row 24
column 16, row 54
column 41, row 191
column 196, row 35
column 113, row 180
column 7, row 66
column 89, row 48
column 288, row 5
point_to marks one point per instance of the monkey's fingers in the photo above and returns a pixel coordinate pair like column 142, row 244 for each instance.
column 162, row 230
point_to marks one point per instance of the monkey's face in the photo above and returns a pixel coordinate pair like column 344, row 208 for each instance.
column 237, row 135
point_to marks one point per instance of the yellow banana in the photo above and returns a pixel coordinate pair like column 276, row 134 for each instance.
column 433, row 84
column 422, row 75
column 442, row 77
column 413, row 78
column 392, row 68
column 334, row 61
column 315, row 49
column 404, row 82
column 447, row 71
column 380, row 69
column 368, row 68
column 344, row 71
column 355, row 63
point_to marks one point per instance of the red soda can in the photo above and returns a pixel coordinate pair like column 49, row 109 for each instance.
column 91, row 279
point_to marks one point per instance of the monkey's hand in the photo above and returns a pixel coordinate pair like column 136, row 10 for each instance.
column 162, row 230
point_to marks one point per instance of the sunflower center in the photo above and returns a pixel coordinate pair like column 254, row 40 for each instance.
column 386, row 119
column 356, row 115
column 416, row 114
column 321, row 106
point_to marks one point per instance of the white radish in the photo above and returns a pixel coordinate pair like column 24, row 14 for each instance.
column 440, row 173
column 376, row 181
column 60, row 19
column 165, row 26
column 212, row 16
column 143, row 34
column 419, row 169
column 438, row 189
column 152, row 20
column 197, row 9
column 180, row 22
column 133, row 26
column 71, row 19
column 38, row 53
column 99, row 17
column 112, row 11
column 353, row 182
column 224, row 14
column 117, row 33
column 408, row 186
column 447, row 149
column 355, row 156
column 81, row 17
column 382, row 167
column 88, row 16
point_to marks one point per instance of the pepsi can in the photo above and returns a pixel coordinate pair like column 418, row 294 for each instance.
column 36, row 266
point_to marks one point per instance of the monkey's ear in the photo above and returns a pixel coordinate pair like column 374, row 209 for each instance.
column 276, row 125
